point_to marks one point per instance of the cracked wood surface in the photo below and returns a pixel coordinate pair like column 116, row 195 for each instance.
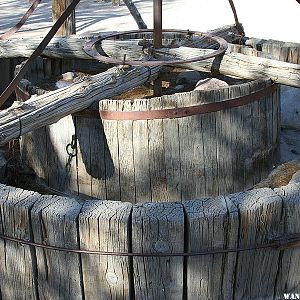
column 49, row 108
column 237, row 220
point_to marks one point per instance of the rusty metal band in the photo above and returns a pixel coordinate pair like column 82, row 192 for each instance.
column 37, row 52
column 237, row 23
column 14, row 29
column 288, row 242
column 91, row 51
column 188, row 111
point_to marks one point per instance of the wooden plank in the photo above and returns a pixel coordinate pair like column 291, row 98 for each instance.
column 54, row 222
column 104, row 226
column 98, row 150
column 135, row 14
column 62, row 156
column 33, row 147
column 258, row 139
column 158, row 228
column 17, row 263
column 191, row 149
column 288, row 277
column 260, row 214
column 224, row 147
column 210, row 150
column 141, row 154
column 49, row 108
column 69, row 26
column 244, row 174
column 157, row 157
column 211, row 225
column 111, row 153
column 126, row 157
column 231, row 64
column 72, row 47
column 172, row 150
column 83, row 149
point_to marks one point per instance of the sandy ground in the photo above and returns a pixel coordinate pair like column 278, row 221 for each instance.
column 273, row 19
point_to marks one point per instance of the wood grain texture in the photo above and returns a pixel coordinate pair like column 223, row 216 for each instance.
column 245, row 219
column 72, row 47
column 17, row 263
column 210, row 226
column 135, row 14
column 69, row 26
column 54, row 222
column 140, row 137
column 62, row 154
column 288, row 277
column 47, row 109
column 158, row 228
column 126, row 155
column 104, row 226
column 259, row 213
column 112, row 170
column 231, row 63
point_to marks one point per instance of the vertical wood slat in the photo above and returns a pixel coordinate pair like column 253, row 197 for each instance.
column 207, row 225
column 259, row 213
column 172, row 151
column 83, row 148
column 224, row 132
column 141, row 160
column 158, row 228
column 111, row 154
column 62, row 155
column 288, row 278
column 212, row 224
column 91, row 157
column 17, row 262
column 126, row 156
column 238, row 220
column 105, row 226
column 54, row 222
column 156, row 150
column 69, row 26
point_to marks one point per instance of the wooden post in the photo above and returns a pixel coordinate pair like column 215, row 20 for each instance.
column 69, row 27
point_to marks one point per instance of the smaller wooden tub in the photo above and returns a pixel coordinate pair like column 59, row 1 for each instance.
column 137, row 157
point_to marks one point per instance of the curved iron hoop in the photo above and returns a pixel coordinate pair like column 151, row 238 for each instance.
column 91, row 51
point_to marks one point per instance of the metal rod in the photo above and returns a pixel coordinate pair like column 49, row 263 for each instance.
column 157, row 23
column 157, row 40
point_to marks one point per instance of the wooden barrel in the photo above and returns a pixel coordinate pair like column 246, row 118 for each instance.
column 228, row 144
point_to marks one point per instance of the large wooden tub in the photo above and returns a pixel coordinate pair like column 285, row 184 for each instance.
column 202, row 154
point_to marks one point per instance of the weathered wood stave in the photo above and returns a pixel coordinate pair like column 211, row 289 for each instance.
column 241, row 220
column 160, row 160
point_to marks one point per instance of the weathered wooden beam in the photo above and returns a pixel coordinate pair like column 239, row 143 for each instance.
column 69, row 26
column 72, row 47
column 232, row 64
column 48, row 108
column 243, row 66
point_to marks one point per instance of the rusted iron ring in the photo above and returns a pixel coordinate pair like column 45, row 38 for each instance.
column 89, row 49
